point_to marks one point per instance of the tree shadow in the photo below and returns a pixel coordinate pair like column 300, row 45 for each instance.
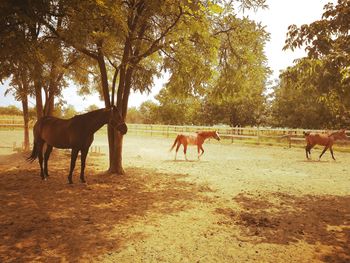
column 284, row 219
column 54, row 222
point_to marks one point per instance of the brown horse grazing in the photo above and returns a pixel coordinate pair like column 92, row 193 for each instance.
column 76, row 133
column 197, row 138
column 322, row 139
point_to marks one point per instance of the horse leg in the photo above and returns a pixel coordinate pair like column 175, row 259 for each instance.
column 331, row 149
column 307, row 150
column 202, row 150
column 177, row 149
column 198, row 150
column 74, row 156
column 46, row 159
column 324, row 150
column 40, row 158
column 83, row 155
column 185, row 151
column 309, row 147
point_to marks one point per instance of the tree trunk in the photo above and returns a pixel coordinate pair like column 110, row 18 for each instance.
column 115, row 151
column 38, row 99
column 49, row 105
column 116, row 165
column 115, row 139
column 26, row 122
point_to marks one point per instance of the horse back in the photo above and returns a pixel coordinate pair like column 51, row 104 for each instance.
column 191, row 139
column 315, row 138
column 60, row 133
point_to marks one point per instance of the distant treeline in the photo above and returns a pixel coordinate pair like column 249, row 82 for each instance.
column 64, row 112
column 13, row 110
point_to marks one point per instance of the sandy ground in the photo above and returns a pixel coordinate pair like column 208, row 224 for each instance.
column 238, row 204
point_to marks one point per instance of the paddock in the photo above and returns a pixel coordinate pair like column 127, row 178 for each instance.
column 239, row 203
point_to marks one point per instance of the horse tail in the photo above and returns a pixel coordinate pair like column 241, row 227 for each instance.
column 176, row 140
column 34, row 153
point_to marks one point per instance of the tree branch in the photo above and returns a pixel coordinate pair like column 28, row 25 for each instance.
column 155, row 47
column 81, row 49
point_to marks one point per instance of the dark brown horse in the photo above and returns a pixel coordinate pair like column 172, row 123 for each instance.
column 76, row 133
column 197, row 138
column 323, row 139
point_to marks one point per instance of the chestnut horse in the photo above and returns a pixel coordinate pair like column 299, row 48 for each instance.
column 197, row 138
column 76, row 133
column 323, row 139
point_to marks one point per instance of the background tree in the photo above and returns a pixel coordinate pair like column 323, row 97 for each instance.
column 20, row 88
column 131, row 36
column 126, row 42
column 149, row 112
column 297, row 101
column 326, row 68
column 134, row 116
column 228, row 77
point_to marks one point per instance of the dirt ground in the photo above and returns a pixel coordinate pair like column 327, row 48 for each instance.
column 238, row 204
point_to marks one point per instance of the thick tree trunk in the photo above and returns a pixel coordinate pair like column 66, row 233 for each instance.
column 38, row 94
column 115, row 151
column 49, row 105
column 115, row 140
column 38, row 99
column 116, row 165
column 26, row 122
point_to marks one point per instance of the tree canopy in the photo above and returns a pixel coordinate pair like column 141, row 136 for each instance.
column 315, row 92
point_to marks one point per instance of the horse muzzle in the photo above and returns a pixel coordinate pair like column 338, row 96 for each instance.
column 122, row 128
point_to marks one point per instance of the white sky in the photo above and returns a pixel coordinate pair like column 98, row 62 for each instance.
column 277, row 18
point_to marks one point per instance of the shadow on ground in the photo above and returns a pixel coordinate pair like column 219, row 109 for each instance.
column 54, row 222
column 285, row 219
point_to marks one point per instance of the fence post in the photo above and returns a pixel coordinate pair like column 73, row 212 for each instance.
column 290, row 141
column 151, row 130
column 232, row 135
column 258, row 133
column 167, row 132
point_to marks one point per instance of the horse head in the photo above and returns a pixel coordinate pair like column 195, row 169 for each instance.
column 116, row 120
column 342, row 134
column 216, row 136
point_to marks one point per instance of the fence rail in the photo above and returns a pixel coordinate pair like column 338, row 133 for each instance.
column 256, row 135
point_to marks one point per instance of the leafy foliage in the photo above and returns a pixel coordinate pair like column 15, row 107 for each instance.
column 315, row 92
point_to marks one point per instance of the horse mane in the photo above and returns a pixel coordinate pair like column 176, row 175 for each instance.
column 333, row 133
column 90, row 113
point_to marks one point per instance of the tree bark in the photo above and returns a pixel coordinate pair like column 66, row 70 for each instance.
column 26, row 122
column 115, row 149
column 115, row 139
column 38, row 90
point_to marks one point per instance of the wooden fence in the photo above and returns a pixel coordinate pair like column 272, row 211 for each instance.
column 253, row 135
